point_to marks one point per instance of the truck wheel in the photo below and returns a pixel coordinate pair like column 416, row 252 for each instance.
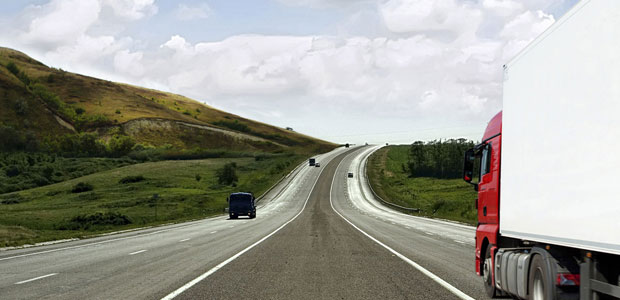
column 487, row 274
column 539, row 286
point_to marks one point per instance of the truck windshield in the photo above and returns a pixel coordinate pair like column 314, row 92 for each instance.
column 240, row 201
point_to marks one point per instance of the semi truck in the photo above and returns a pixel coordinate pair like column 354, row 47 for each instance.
column 311, row 161
column 547, row 171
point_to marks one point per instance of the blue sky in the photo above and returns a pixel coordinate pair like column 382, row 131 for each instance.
column 343, row 70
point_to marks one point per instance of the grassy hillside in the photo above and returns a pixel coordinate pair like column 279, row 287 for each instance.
column 451, row 199
column 45, row 102
column 81, row 156
column 132, row 196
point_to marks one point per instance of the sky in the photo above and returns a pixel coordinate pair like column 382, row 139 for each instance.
column 376, row 71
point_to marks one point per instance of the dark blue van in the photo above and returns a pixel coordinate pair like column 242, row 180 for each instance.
column 241, row 204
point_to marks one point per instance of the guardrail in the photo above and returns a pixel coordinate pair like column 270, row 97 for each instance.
column 395, row 206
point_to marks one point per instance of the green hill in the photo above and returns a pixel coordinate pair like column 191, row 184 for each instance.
column 42, row 103
column 82, row 156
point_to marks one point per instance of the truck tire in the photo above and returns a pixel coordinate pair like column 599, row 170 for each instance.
column 539, row 287
column 487, row 275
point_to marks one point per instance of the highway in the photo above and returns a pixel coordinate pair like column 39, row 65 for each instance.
column 317, row 235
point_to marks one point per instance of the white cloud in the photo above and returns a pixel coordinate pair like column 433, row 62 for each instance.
column 522, row 30
column 452, row 16
column 60, row 21
column 426, row 61
column 186, row 13
column 323, row 3
column 132, row 9
column 129, row 63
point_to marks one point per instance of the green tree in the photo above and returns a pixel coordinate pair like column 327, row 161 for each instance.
column 227, row 175
column 121, row 145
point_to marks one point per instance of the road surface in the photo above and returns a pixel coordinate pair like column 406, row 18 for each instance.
column 318, row 235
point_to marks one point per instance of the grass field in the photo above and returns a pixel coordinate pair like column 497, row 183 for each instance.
column 451, row 199
column 170, row 191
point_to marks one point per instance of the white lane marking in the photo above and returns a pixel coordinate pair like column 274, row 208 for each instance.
column 224, row 263
column 429, row 233
column 184, row 240
column 36, row 278
column 95, row 243
column 134, row 253
column 460, row 242
column 212, row 232
column 424, row 271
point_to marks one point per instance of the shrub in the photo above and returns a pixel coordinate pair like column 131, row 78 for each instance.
column 234, row 125
column 21, row 107
column 12, row 199
column 24, row 78
column 118, row 111
column 227, row 175
column 12, row 68
column 108, row 218
column 85, row 122
column 82, row 187
column 12, row 171
column 198, row 177
column 187, row 113
column 11, row 139
column 79, row 110
column 131, row 179
column 121, row 145
column 50, row 98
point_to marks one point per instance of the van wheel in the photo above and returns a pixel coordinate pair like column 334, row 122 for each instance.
column 539, row 286
column 487, row 275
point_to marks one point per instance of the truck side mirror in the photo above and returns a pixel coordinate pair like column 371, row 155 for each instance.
column 468, row 167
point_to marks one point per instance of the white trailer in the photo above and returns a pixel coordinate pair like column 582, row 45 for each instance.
column 549, row 190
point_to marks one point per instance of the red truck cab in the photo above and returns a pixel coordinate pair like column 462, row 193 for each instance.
column 487, row 231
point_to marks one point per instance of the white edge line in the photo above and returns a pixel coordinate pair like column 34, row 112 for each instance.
column 424, row 271
column 36, row 278
column 132, row 253
column 222, row 264
column 184, row 240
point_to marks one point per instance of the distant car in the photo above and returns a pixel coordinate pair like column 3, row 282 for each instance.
column 350, row 175
column 317, row 164
column 241, row 204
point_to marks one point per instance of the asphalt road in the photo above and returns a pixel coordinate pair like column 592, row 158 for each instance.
column 318, row 235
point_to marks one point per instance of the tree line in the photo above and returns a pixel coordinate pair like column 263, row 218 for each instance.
column 437, row 158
